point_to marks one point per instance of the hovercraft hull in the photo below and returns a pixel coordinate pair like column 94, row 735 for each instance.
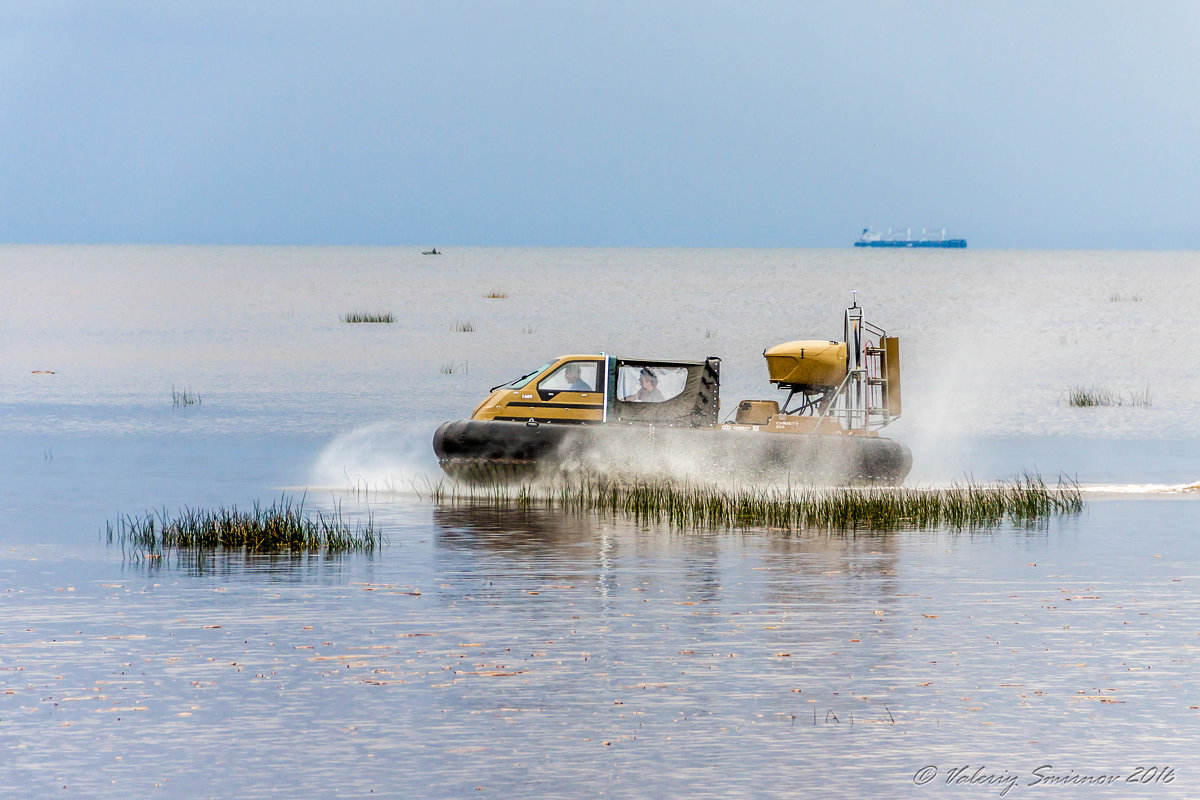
column 488, row 451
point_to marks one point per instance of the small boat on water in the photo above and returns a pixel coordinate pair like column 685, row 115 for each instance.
column 433, row 252
column 869, row 238
column 597, row 413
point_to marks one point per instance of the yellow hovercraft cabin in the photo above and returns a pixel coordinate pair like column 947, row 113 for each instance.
column 604, row 413
column 583, row 389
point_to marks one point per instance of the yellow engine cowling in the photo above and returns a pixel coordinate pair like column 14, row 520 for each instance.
column 810, row 364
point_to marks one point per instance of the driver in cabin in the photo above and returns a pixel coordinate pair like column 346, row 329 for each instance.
column 648, row 390
column 574, row 382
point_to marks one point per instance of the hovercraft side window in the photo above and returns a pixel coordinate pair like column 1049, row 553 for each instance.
column 650, row 384
column 520, row 382
column 573, row 376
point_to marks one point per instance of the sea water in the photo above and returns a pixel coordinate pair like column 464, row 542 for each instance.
column 530, row 653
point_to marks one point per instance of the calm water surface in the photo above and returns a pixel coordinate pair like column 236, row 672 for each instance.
column 503, row 653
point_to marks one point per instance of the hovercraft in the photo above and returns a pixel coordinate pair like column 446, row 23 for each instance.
column 633, row 416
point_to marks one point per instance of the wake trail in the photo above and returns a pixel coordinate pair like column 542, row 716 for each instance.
column 1126, row 489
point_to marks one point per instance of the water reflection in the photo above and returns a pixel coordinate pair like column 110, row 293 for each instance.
column 523, row 548
column 225, row 563
column 529, row 545
column 838, row 566
column 531, row 531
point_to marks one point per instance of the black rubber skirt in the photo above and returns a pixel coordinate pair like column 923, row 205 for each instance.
column 481, row 451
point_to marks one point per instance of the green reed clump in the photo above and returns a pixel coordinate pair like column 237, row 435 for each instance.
column 1083, row 397
column 1086, row 397
column 360, row 316
column 283, row 526
column 185, row 398
column 1023, row 499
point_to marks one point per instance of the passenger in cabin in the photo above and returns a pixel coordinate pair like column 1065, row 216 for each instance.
column 648, row 390
column 574, row 382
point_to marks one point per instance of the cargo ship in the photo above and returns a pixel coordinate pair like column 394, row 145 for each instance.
column 871, row 239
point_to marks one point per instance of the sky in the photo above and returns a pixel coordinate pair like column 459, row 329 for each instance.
column 1014, row 124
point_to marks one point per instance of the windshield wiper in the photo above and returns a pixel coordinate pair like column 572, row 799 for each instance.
column 514, row 380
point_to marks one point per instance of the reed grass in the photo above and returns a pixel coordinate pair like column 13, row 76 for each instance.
column 1025, row 499
column 454, row 368
column 1141, row 398
column 361, row 316
column 496, row 295
column 1086, row 397
column 529, row 329
column 1116, row 297
column 184, row 398
column 282, row 527
column 464, row 327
